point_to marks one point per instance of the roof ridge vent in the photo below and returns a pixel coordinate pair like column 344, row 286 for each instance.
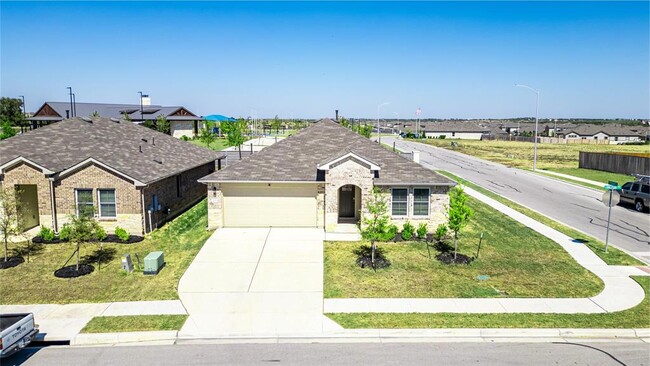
column 115, row 120
column 159, row 161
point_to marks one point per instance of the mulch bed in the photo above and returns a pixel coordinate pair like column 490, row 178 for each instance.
column 11, row 262
column 110, row 238
column 448, row 258
column 71, row 271
column 366, row 261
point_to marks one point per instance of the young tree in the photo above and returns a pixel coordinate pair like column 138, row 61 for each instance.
column 459, row 213
column 83, row 228
column 276, row 123
column 126, row 117
column 95, row 114
column 365, row 130
column 235, row 132
column 10, row 221
column 162, row 125
column 376, row 223
column 206, row 136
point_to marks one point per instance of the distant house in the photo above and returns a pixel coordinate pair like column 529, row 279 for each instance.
column 465, row 130
column 182, row 122
column 132, row 176
column 613, row 133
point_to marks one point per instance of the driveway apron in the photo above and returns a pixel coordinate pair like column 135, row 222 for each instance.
column 255, row 282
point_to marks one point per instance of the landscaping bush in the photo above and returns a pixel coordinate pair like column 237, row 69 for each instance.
column 64, row 233
column 122, row 234
column 441, row 232
column 407, row 231
column 100, row 234
column 422, row 231
column 46, row 233
column 389, row 234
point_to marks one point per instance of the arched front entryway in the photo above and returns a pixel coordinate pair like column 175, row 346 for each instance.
column 349, row 203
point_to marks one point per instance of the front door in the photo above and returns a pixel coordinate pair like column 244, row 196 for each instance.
column 346, row 201
column 28, row 207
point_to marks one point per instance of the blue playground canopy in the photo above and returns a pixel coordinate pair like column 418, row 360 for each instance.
column 219, row 118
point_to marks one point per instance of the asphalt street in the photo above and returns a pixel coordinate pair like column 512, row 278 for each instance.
column 494, row 354
column 575, row 206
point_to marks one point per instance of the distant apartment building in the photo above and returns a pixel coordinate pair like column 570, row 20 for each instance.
column 182, row 122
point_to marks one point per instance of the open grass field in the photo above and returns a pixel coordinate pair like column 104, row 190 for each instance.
column 555, row 157
column 218, row 144
column 519, row 261
column 612, row 257
column 637, row 317
column 134, row 323
column 34, row 282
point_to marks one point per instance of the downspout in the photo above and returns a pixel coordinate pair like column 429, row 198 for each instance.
column 144, row 216
column 53, row 203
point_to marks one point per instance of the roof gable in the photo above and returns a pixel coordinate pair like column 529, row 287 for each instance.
column 346, row 156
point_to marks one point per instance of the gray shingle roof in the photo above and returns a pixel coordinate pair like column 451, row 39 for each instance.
column 113, row 111
column 610, row 130
column 459, row 126
column 62, row 145
column 295, row 159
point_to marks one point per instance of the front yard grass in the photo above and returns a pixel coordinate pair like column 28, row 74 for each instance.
column 613, row 256
column 134, row 323
column 519, row 261
column 34, row 282
column 637, row 317
column 218, row 143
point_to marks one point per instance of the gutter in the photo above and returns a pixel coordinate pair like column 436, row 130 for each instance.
column 53, row 203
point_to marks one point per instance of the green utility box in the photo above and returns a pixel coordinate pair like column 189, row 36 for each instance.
column 153, row 263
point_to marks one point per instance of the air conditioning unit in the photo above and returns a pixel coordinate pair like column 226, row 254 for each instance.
column 153, row 263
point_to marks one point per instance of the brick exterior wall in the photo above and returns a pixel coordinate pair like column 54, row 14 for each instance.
column 438, row 203
column 191, row 191
column 215, row 206
column 347, row 172
column 128, row 196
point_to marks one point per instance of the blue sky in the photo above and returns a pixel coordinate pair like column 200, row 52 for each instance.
column 453, row 60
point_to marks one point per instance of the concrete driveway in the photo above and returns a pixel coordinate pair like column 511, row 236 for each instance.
column 256, row 282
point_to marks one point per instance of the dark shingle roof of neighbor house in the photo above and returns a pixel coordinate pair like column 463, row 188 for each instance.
column 62, row 145
column 296, row 158
column 113, row 111
column 610, row 130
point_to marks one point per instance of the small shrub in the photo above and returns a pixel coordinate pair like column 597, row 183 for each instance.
column 442, row 137
column 422, row 230
column 46, row 233
column 100, row 233
column 185, row 138
column 64, row 233
column 122, row 234
column 441, row 232
column 407, row 231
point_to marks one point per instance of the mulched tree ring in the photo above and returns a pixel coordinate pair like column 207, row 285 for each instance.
column 72, row 272
column 114, row 239
column 448, row 258
column 366, row 261
column 39, row 240
column 11, row 262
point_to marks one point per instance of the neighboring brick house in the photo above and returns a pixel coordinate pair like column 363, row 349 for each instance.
column 322, row 177
column 132, row 176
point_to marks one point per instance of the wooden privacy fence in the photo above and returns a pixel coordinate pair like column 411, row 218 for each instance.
column 616, row 163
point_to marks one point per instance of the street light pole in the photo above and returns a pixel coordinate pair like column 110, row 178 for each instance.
column 378, row 131
column 70, row 93
column 536, row 91
column 141, row 109
column 24, row 114
column 397, row 114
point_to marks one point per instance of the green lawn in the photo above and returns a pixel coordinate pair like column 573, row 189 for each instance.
column 34, row 282
column 519, row 261
column 218, row 144
column 637, row 317
column 595, row 175
column 613, row 256
column 134, row 323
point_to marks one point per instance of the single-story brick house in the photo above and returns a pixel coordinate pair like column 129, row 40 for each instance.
column 132, row 176
column 321, row 177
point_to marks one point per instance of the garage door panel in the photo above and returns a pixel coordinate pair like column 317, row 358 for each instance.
column 261, row 205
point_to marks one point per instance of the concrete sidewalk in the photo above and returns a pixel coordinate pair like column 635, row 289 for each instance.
column 64, row 322
column 620, row 293
column 573, row 177
column 258, row 143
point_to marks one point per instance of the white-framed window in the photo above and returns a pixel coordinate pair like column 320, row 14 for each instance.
column 421, row 201
column 84, row 202
column 399, row 201
column 107, row 203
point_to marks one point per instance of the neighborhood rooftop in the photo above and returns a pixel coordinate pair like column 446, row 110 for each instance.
column 135, row 151
column 56, row 111
column 297, row 158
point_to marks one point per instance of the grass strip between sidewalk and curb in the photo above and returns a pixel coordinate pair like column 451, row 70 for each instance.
column 134, row 323
column 636, row 317
column 613, row 256
column 568, row 180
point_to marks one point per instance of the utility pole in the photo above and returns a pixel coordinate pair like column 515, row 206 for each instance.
column 71, row 108
column 141, row 109
column 22, row 128
column 536, row 91
column 378, row 130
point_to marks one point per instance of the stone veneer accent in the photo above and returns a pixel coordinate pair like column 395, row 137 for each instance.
column 348, row 172
column 215, row 206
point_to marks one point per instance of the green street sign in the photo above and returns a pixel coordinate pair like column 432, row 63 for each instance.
column 611, row 187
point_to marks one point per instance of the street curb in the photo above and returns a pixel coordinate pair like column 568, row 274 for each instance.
column 97, row 339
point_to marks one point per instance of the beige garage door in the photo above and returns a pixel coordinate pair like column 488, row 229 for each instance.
column 263, row 205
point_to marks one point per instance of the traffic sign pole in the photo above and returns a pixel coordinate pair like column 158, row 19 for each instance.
column 609, row 216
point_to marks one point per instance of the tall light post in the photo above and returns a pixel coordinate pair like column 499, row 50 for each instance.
column 536, row 91
column 70, row 93
column 397, row 114
column 378, row 131
column 22, row 128
column 141, row 108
